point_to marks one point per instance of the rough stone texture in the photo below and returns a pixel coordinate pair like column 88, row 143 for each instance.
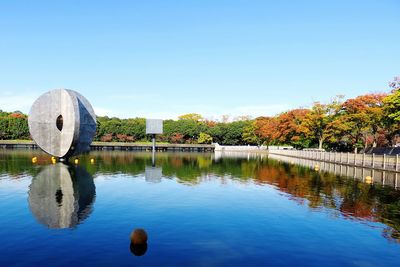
column 79, row 123
column 61, row 196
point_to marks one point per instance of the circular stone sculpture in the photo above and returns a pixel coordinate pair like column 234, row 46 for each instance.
column 62, row 123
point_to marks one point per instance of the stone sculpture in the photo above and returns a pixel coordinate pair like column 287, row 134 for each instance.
column 62, row 123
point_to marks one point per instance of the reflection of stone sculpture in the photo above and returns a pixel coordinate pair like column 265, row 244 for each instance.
column 62, row 123
column 61, row 196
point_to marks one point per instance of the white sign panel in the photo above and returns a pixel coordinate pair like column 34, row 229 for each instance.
column 154, row 126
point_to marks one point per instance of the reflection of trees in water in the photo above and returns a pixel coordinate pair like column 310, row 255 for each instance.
column 61, row 196
column 352, row 198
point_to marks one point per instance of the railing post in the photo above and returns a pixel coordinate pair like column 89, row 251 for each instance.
column 373, row 160
column 397, row 162
column 363, row 159
column 355, row 159
column 384, row 161
column 348, row 157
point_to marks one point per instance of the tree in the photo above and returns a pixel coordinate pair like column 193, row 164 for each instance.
column 319, row 119
column 392, row 106
column 291, row 129
column 189, row 129
column 361, row 118
column 249, row 134
column 391, row 110
column 204, row 138
column 191, row 116
column 233, row 133
column 266, row 128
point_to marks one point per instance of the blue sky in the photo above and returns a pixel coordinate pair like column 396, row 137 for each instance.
column 160, row 59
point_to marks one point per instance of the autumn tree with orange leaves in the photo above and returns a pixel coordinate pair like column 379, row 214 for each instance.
column 361, row 120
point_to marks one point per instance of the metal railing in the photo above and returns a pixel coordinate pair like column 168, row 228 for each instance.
column 381, row 162
column 364, row 174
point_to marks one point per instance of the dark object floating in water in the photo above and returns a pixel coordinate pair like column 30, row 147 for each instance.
column 138, row 245
column 139, row 236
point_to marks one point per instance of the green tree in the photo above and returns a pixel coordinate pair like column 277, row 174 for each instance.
column 191, row 116
column 317, row 122
column 249, row 134
column 204, row 138
column 391, row 118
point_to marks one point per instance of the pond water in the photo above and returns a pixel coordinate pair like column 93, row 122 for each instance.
column 197, row 210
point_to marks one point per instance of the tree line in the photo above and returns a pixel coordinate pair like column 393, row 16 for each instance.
column 369, row 120
column 341, row 125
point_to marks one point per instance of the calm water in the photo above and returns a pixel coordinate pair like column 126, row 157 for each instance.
column 198, row 210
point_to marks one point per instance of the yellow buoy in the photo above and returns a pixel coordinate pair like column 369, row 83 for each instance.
column 53, row 160
column 76, row 161
column 92, row 161
column 34, row 159
column 368, row 180
column 316, row 167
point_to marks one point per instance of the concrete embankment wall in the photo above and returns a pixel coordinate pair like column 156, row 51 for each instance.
column 378, row 162
column 240, row 148
column 365, row 174
column 118, row 146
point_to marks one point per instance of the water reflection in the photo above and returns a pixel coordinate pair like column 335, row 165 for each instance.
column 61, row 196
column 366, row 175
column 344, row 191
column 152, row 173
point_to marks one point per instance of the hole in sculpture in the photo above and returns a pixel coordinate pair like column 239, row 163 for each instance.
column 59, row 122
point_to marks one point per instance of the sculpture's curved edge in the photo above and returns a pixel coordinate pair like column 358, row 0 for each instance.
column 40, row 109
column 85, row 124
